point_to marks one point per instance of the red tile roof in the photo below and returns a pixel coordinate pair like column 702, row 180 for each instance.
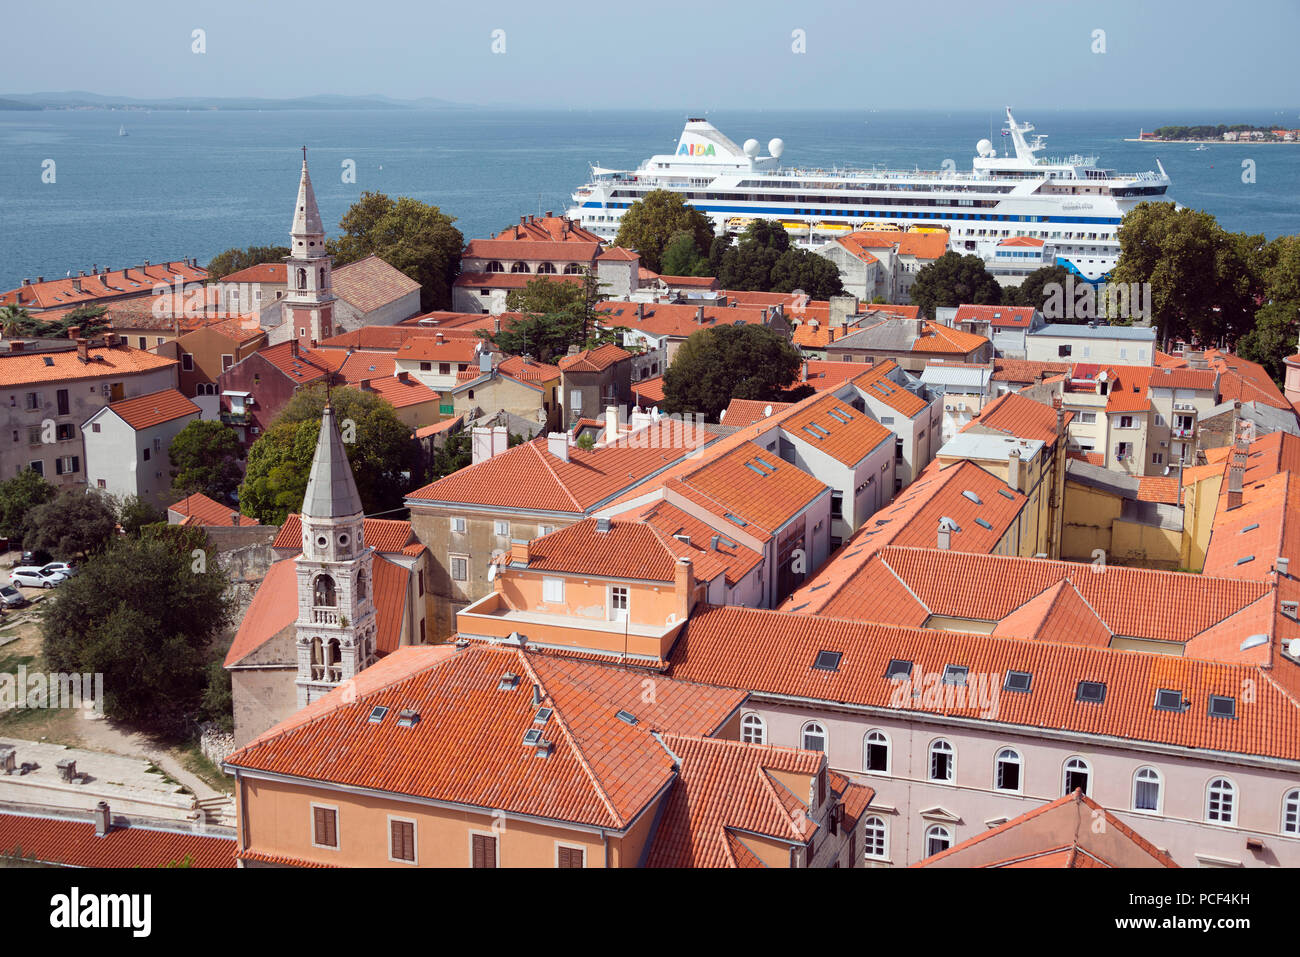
column 1013, row 414
column 920, row 245
column 1008, row 317
column 72, row 843
column 32, row 368
column 527, row 370
column 273, row 273
column 390, row 585
column 105, row 285
column 625, row 550
column 1021, row 241
column 824, row 374
column 771, row 652
column 876, row 383
column 711, row 554
column 838, row 429
column 532, row 249
column 297, row 364
column 508, row 280
column 547, row 229
column 468, row 748
column 595, row 360
column 1026, row 370
column 743, row 412
column 435, row 349
column 274, row 608
column 727, row 791
column 649, row 390
column 198, row 509
column 371, row 283
column 381, row 534
column 675, row 321
column 155, row 408
column 752, row 483
column 449, row 424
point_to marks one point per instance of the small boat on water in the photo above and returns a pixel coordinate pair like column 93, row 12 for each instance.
column 122, row 131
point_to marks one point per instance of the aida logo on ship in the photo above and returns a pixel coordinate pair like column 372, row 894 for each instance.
column 696, row 149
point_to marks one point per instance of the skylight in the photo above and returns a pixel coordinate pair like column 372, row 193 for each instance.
column 532, row 736
column 828, row 660
column 1245, row 558
column 1093, row 692
column 836, row 413
column 972, row 496
column 898, row 668
column 955, row 674
column 1222, row 706
column 1005, row 494
column 627, row 717
column 1167, row 700
column 1018, row 681
column 754, row 467
column 731, row 517
column 808, row 429
column 543, row 715
column 377, row 714
column 983, row 524
column 1248, row 528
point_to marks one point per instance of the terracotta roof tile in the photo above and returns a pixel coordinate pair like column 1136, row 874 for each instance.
column 675, row 321
column 34, row 368
column 1014, row 414
column 273, row 273
column 371, row 283
column 743, row 412
column 155, row 408
column 649, row 390
column 1009, row 317
column 73, row 843
column 206, row 511
column 274, row 607
column 105, row 285
column 753, row 484
column 839, row 430
column 595, row 360
column 381, row 534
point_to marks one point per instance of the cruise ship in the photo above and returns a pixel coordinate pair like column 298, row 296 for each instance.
column 1069, row 203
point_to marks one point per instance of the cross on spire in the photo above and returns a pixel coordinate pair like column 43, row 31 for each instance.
column 304, row 156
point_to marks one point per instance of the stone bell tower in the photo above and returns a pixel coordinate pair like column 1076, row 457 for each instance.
column 309, row 303
column 336, row 613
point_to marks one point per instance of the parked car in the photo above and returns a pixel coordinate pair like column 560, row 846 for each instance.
column 33, row 577
column 37, row 558
column 11, row 597
column 67, row 568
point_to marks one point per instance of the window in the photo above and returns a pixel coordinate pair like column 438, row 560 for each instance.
column 483, row 850
column 459, row 568
column 875, row 752
column 837, row 504
column 1220, row 801
column 569, row 856
column 33, row 400
column 458, row 526
column 828, row 660
column 813, row 737
column 146, row 454
column 401, row 840
column 38, row 467
column 1126, row 421
column 942, row 761
column 325, row 831
column 1291, row 812
column 1018, row 681
column 1222, row 706
column 1087, row 418
column 1146, row 790
column 553, row 590
column 875, row 838
column 955, row 674
column 1078, row 776
column 545, row 529
column 501, row 528
column 444, row 368
column 426, row 366
column 1063, row 350
column 937, row 837
column 101, row 483
column 753, row 730
column 67, row 465
column 1157, row 458
column 65, row 431
column 227, row 362
column 1093, row 692
column 419, row 584
column 898, row 668
column 187, row 362
column 62, row 399
column 1007, row 770
column 618, row 602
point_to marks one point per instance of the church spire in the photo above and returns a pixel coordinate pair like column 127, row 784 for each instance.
column 306, row 216
column 331, row 490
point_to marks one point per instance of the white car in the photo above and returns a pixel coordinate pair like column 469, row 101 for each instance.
column 63, row 568
column 33, row 577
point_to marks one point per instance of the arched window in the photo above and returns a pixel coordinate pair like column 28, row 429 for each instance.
column 875, row 838
column 572, row 269
column 937, row 838
column 519, row 267
column 1077, row 776
column 495, row 266
column 545, row 268
column 1291, row 812
column 322, row 277
column 1146, row 790
column 1006, row 770
column 1221, row 802
column 317, row 660
column 943, row 761
column 332, row 657
column 302, row 278
column 361, row 585
column 875, row 752
column 813, row 737
column 323, row 592
column 753, row 730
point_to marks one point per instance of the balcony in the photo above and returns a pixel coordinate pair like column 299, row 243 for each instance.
column 322, row 616
column 236, row 418
column 1182, row 433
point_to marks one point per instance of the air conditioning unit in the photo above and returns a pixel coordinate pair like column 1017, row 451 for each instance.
column 961, row 406
column 948, row 407
column 1164, row 445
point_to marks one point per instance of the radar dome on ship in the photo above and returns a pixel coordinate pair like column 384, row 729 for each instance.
column 776, row 146
column 984, row 148
column 751, row 148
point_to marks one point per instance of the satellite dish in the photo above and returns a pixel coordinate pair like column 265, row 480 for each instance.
column 776, row 146
column 1254, row 641
column 722, row 415
column 984, row 148
column 492, row 573
column 751, row 148
column 1294, row 647
column 767, row 411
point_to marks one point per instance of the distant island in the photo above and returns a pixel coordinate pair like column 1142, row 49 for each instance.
column 1237, row 133
column 96, row 101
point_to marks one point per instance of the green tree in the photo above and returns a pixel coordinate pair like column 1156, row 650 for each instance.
column 77, row 522
column 721, row 363
column 650, row 224
column 1273, row 337
column 217, row 703
column 18, row 496
column 205, row 457
column 412, row 237
column 954, row 280
column 1034, row 291
column 16, row 321
column 143, row 614
column 233, row 260
column 556, row 315
column 456, row 453
column 383, row 455
column 682, row 257
column 90, row 321
column 134, row 513
column 802, row 269
column 748, row 264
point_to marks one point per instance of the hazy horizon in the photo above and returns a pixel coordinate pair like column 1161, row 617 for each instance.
column 1189, row 56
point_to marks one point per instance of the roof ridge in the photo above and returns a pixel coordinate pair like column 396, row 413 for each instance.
column 558, row 714
column 550, row 471
column 770, row 785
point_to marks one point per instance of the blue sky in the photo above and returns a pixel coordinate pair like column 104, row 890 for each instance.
column 683, row 55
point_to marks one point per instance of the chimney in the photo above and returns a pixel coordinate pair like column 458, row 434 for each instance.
column 402, row 376
column 1283, row 566
column 1013, row 470
column 74, row 332
column 1236, row 475
column 146, row 264
column 234, row 519
column 76, row 285
column 611, row 423
column 1059, row 405
column 804, row 376
column 126, row 272
column 640, row 310
column 602, row 526
column 684, row 586
column 481, row 444
column 699, row 315
column 550, row 213
column 40, row 279
column 500, row 439
column 496, row 325
column 82, row 351
column 364, row 386
column 94, row 269
column 16, row 345
column 520, row 551
column 103, row 819
column 293, row 348
column 946, row 528
column 557, row 443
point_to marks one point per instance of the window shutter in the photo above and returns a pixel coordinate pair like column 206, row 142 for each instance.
column 485, row 851
column 76, row 463
column 403, row 835
column 571, row 857
column 326, row 829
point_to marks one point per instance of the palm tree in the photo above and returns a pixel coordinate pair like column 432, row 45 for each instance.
column 14, row 320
